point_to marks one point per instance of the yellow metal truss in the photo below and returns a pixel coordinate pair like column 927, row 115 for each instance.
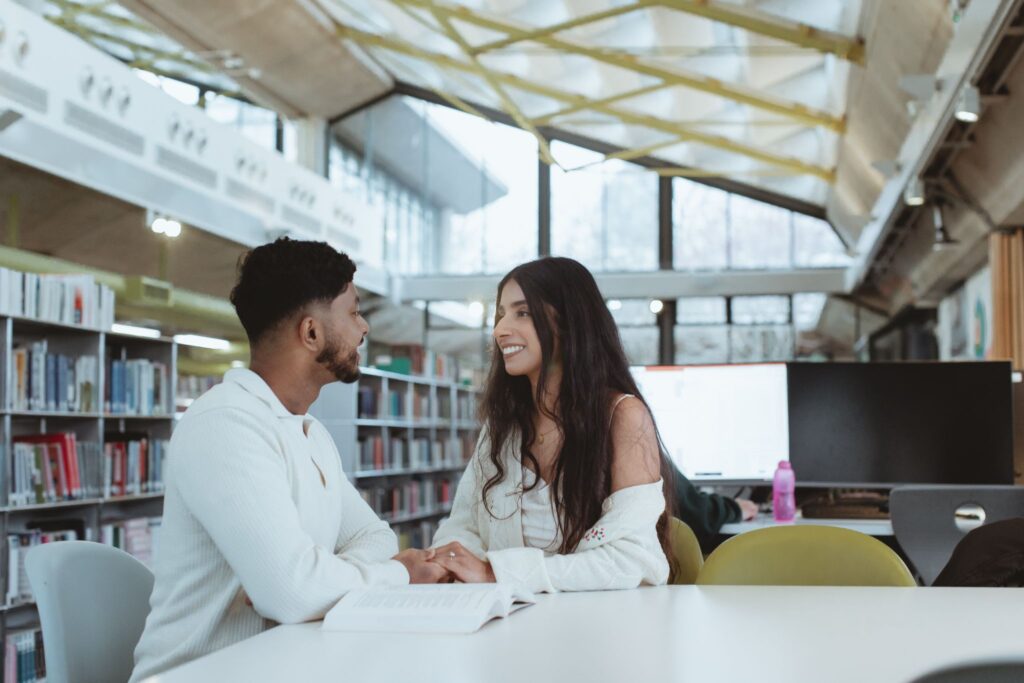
column 654, row 123
column 748, row 19
column 673, row 76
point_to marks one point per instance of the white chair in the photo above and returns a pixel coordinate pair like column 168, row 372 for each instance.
column 93, row 602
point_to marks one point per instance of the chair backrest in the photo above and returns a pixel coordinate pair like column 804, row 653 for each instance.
column 977, row 672
column 926, row 524
column 93, row 602
column 687, row 558
column 804, row 555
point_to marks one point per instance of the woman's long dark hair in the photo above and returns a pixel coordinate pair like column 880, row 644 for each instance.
column 565, row 305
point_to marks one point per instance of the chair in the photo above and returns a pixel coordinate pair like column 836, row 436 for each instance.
column 927, row 524
column 687, row 558
column 804, row 555
column 93, row 602
column 1010, row 671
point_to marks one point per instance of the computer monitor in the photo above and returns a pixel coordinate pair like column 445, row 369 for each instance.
column 882, row 424
column 720, row 423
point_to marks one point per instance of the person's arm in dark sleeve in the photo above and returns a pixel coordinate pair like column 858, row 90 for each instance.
column 705, row 513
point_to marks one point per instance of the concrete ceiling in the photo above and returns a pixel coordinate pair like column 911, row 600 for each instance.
column 303, row 68
column 61, row 219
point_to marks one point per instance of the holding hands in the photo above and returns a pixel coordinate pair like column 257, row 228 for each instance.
column 447, row 564
column 462, row 565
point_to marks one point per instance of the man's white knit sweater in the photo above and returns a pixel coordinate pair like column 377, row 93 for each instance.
column 256, row 507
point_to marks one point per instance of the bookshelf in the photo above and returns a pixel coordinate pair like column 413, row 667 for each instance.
column 109, row 389
column 404, row 441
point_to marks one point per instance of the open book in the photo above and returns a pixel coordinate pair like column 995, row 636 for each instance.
column 425, row 608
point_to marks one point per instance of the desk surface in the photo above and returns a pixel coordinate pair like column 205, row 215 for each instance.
column 871, row 527
column 674, row 633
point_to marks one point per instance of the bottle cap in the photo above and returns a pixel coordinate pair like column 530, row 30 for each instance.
column 784, row 465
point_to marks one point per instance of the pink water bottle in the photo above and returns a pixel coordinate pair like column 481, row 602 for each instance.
column 784, row 493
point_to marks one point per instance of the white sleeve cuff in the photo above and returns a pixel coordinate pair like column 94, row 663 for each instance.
column 521, row 566
column 390, row 573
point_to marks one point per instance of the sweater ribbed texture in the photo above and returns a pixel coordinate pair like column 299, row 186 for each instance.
column 247, row 514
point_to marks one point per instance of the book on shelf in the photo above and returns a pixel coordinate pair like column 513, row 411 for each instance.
column 45, row 381
column 138, row 537
column 137, row 387
column 18, row 544
column 425, row 608
column 66, row 299
column 132, row 464
column 23, row 656
column 49, row 468
column 410, row 498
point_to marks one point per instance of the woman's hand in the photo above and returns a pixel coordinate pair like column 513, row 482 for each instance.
column 462, row 564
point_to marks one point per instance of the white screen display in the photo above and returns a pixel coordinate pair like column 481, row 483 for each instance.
column 720, row 422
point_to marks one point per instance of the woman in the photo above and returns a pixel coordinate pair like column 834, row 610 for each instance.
column 565, row 489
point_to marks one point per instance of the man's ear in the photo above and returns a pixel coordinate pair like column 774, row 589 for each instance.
column 310, row 333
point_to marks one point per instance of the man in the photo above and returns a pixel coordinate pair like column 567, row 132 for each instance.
column 706, row 513
column 260, row 524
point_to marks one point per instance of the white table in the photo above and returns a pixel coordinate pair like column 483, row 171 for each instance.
column 872, row 527
column 691, row 634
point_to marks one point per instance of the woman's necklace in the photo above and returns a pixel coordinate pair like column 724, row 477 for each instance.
column 540, row 437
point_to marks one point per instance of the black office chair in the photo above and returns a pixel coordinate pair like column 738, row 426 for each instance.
column 928, row 521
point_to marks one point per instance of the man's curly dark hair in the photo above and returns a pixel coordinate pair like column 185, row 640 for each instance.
column 278, row 279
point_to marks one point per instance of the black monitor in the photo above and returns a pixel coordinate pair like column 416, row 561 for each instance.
column 882, row 424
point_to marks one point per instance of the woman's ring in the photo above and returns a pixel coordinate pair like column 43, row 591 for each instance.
column 451, row 554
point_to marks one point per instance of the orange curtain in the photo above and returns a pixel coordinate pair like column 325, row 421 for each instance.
column 1006, row 259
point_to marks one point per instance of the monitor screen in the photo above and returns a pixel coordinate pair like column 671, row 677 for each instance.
column 901, row 423
column 720, row 422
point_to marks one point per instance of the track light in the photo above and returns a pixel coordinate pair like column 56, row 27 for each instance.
column 656, row 306
column 968, row 104
column 163, row 225
column 614, row 304
column 942, row 238
column 913, row 195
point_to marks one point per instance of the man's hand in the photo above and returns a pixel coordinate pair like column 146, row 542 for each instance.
column 421, row 569
column 748, row 509
column 462, row 564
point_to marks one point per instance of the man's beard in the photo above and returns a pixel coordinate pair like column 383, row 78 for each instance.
column 344, row 366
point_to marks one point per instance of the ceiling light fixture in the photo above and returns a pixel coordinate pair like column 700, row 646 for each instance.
column 135, row 330
column 913, row 195
column 202, row 342
column 968, row 104
column 657, row 305
column 942, row 238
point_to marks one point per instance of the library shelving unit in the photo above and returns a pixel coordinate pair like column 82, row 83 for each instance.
column 92, row 421
column 404, row 441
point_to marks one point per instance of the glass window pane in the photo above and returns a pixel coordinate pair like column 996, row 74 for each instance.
column 699, row 215
column 748, row 310
column 701, row 310
column 256, row 123
column 816, row 244
column 702, row 345
column 640, row 344
column 807, row 309
column 759, row 234
column 759, row 343
column 603, row 214
column 632, row 312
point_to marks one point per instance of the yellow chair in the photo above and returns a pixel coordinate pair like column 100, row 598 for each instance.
column 804, row 555
column 687, row 558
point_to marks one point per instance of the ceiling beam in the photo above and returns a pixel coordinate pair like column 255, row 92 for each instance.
column 564, row 26
column 748, row 19
column 629, row 94
column 649, row 285
column 673, row 76
column 649, row 162
column 762, row 23
column 626, row 116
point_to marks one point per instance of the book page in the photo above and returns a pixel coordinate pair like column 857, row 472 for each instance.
column 446, row 608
